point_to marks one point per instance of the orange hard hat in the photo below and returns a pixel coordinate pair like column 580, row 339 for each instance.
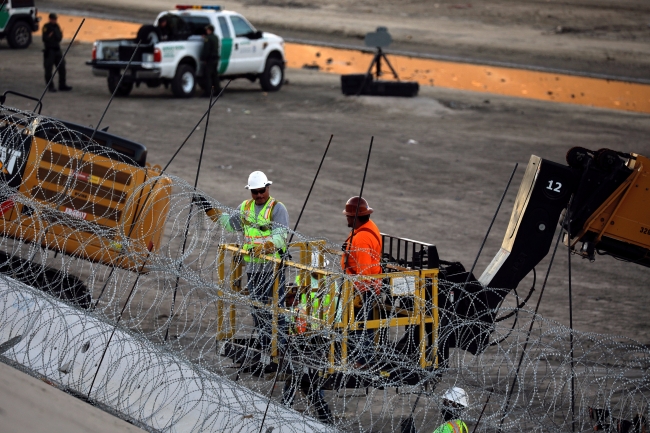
column 351, row 207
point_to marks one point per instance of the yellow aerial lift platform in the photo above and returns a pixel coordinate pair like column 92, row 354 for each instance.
column 320, row 314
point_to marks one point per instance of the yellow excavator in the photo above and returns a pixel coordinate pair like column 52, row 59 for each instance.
column 601, row 197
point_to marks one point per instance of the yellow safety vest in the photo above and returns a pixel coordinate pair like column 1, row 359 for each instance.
column 455, row 426
column 319, row 305
column 257, row 229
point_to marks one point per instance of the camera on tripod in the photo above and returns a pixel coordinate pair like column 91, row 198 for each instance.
column 370, row 82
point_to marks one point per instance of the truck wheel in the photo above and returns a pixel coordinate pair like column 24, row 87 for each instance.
column 124, row 89
column 20, row 35
column 273, row 76
column 184, row 81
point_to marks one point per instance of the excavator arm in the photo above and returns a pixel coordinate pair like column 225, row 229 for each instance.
column 607, row 197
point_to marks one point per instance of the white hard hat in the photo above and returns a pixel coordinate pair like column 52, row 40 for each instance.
column 457, row 395
column 256, row 180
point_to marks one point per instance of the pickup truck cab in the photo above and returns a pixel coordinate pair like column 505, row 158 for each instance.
column 172, row 56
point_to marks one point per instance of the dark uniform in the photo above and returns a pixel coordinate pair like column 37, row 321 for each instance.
column 169, row 25
column 210, row 57
column 52, row 54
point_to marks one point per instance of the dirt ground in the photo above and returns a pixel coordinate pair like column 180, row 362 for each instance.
column 25, row 401
column 597, row 36
column 438, row 167
column 440, row 162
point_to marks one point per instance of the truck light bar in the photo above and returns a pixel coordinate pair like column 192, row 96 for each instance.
column 209, row 7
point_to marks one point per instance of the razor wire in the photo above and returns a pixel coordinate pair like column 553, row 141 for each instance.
column 93, row 250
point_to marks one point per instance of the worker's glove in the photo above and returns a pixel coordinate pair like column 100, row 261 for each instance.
column 357, row 301
column 265, row 248
column 204, row 204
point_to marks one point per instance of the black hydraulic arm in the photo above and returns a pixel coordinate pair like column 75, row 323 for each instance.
column 543, row 195
column 544, row 192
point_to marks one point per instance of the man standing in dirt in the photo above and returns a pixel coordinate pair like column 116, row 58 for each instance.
column 210, row 60
column 52, row 55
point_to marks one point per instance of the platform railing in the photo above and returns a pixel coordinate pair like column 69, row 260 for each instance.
column 329, row 310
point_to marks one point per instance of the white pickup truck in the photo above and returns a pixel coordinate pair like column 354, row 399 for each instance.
column 171, row 55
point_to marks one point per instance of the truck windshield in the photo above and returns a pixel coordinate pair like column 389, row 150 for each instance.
column 242, row 28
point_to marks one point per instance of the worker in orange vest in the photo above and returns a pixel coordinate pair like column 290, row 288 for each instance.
column 362, row 256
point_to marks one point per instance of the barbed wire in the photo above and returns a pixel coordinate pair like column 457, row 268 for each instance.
column 93, row 251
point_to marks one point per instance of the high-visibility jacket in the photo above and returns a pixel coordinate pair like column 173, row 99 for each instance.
column 455, row 426
column 257, row 229
column 364, row 255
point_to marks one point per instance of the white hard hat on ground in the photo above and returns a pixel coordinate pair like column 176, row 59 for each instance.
column 256, row 180
column 457, row 395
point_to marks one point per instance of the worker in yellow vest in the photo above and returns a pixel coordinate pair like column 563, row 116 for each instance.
column 264, row 222
column 454, row 400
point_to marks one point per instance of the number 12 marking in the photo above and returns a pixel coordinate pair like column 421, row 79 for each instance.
column 558, row 185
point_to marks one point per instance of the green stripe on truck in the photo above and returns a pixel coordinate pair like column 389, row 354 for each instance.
column 226, row 50
column 4, row 16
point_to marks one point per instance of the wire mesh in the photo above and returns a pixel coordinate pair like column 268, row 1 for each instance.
column 117, row 284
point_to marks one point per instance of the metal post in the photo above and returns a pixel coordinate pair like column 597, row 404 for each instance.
column 532, row 322
column 573, row 397
column 138, row 212
column 189, row 214
column 356, row 213
column 281, row 269
column 491, row 224
column 119, row 83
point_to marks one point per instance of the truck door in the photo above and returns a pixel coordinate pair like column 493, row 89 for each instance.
column 4, row 16
column 226, row 44
column 247, row 52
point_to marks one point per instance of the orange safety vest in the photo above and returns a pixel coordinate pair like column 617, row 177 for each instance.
column 364, row 255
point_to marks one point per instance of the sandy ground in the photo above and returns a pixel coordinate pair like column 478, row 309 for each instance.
column 25, row 402
column 582, row 35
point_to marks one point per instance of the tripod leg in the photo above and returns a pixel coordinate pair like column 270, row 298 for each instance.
column 390, row 66
column 378, row 57
column 365, row 79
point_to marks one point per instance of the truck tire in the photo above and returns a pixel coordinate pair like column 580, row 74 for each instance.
column 20, row 35
column 273, row 76
column 184, row 81
column 148, row 34
column 124, row 89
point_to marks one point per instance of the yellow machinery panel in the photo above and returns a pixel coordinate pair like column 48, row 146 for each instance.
column 625, row 216
column 112, row 212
